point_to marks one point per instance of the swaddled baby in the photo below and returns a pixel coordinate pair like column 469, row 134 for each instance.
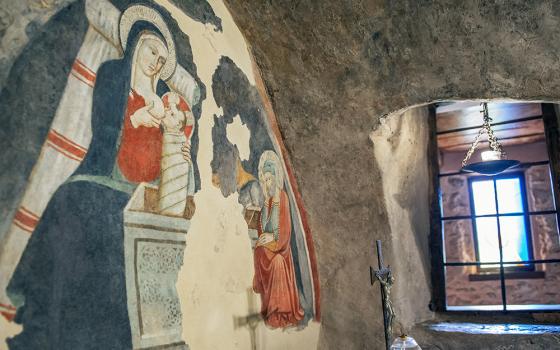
column 175, row 169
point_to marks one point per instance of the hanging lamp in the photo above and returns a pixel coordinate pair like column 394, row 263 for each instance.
column 493, row 161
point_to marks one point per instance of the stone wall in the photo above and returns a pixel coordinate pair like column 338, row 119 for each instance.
column 401, row 152
column 334, row 69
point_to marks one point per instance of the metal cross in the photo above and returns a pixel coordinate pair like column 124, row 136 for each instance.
column 386, row 279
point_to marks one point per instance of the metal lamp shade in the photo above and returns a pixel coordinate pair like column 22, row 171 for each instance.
column 493, row 160
column 489, row 168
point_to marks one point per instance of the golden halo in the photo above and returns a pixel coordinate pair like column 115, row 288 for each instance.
column 137, row 13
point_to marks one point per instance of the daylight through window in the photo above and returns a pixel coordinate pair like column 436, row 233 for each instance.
column 500, row 234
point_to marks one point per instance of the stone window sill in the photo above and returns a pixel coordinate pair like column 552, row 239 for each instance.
column 513, row 275
column 501, row 329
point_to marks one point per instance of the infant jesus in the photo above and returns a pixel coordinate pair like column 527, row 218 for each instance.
column 176, row 171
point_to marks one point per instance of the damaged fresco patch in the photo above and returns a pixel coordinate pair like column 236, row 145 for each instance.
column 282, row 258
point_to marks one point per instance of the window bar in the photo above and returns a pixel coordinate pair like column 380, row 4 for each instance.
column 523, row 165
column 479, row 263
column 529, row 213
column 520, row 120
column 502, row 274
column 550, row 122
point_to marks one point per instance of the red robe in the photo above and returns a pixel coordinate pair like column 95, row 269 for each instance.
column 274, row 274
column 139, row 156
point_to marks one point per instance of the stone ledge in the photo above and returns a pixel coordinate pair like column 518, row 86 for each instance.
column 487, row 328
column 486, row 336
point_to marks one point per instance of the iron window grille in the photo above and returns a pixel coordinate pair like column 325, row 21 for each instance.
column 504, row 269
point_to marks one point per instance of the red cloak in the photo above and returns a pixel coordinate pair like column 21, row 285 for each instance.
column 139, row 156
column 274, row 276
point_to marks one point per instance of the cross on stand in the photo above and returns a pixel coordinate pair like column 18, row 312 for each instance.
column 386, row 280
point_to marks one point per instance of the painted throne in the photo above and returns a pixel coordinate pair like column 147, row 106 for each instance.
column 154, row 247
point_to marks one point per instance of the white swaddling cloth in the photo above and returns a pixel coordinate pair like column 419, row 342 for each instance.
column 175, row 169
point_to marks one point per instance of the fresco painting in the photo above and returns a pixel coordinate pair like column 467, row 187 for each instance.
column 274, row 267
column 98, row 208
column 284, row 275
column 123, row 116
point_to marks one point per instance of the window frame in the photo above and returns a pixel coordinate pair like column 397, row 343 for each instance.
column 526, row 214
column 438, row 302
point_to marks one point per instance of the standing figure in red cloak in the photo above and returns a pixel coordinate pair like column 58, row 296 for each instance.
column 274, row 276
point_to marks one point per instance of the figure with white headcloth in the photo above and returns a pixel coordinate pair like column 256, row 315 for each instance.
column 274, row 277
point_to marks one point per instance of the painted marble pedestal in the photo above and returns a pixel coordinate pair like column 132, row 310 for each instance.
column 154, row 247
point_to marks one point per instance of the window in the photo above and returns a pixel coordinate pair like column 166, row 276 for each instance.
column 497, row 245
column 500, row 221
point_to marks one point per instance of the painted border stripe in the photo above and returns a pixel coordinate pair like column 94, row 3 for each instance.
column 25, row 221
column 8, row 307
column 24, row 228
column 80, row 78
column 30, row 213
column 65, row 146
column 8, row 315
column 83, row 73
column 89, row 71
column 78, row 146
column 63, row 152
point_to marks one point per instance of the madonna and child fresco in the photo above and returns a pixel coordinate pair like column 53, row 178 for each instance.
column 96, row 245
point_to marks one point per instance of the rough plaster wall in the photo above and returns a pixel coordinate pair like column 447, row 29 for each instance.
column 401, row 149
column 215, row 283
column 333, row 68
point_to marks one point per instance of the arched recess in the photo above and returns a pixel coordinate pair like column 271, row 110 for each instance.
column 405, row 152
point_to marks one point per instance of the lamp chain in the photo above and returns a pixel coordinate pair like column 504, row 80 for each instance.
column 494, row 143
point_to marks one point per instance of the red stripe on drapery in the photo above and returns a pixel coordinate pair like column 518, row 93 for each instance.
column 86, row 68
column 63, row 152
column 25, row 228
column 26, row 222
column 8, row 311
column 80, row 78
column 62, row 143
column 78, row 146
column 82, row 72
column 7, row 306
column 8, row 315
column 30, row 213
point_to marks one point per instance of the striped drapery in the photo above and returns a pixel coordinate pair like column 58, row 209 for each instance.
column 70, row 134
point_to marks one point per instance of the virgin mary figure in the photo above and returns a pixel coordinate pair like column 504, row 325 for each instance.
column 69, row 286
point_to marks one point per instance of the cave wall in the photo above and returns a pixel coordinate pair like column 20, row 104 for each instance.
column 334, row 69
column 401, row 152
